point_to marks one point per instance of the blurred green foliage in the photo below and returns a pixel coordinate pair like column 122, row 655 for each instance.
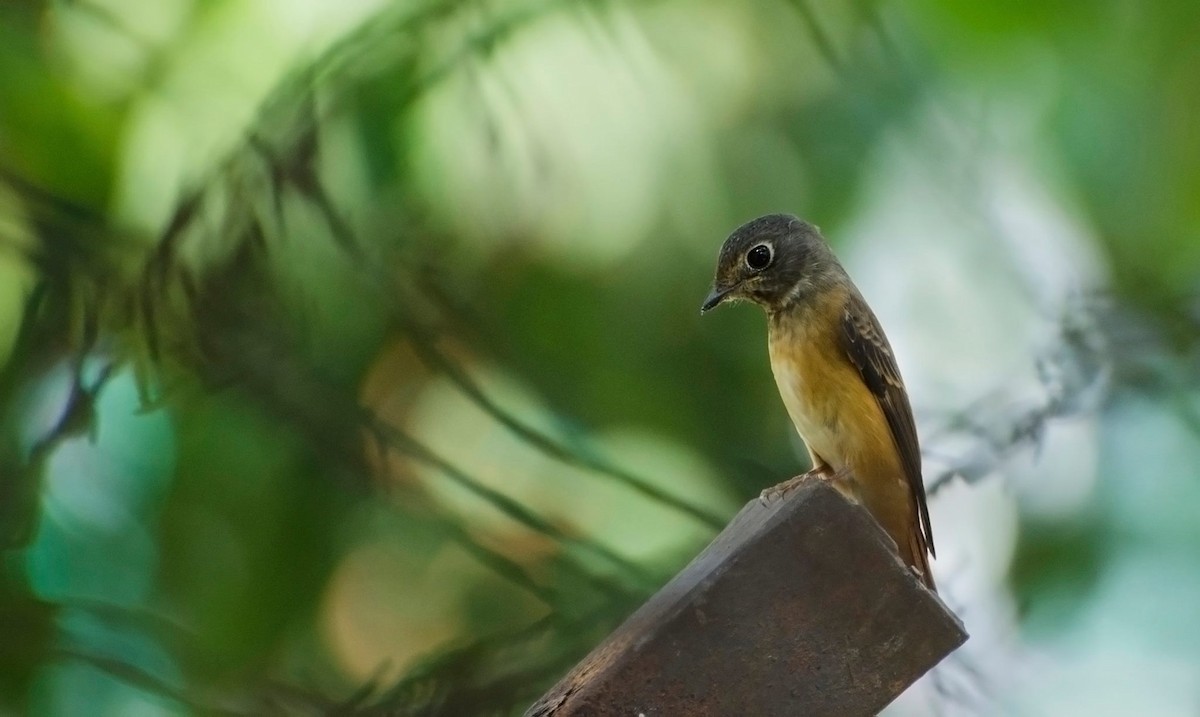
column 351, row 354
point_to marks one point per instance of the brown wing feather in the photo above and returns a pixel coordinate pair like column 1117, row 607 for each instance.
column 869, row 351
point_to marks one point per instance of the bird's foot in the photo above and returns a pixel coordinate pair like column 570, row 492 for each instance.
column 780, row 490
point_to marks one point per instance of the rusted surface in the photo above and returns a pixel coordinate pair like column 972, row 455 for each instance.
column 799, row 607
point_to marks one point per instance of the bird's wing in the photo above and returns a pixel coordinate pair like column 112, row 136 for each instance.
column 869, row 351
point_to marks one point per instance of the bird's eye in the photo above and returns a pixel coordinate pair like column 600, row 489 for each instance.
column 759, row 257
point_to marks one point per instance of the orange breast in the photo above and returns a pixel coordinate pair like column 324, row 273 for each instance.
column 833, row 410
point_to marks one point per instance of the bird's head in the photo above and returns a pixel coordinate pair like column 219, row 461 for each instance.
column 776, row 261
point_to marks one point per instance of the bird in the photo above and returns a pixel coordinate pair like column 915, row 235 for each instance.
column 836, row 373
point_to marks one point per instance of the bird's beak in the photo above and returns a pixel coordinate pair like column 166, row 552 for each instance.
column 716, row 296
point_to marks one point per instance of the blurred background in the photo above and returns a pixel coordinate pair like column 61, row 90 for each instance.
column 352, row 359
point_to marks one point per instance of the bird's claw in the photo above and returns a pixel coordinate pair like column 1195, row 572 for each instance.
column 779, row 490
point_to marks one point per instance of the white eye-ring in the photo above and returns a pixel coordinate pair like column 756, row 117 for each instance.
column 759, row 257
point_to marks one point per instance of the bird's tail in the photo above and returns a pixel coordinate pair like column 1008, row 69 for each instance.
column 916, row 555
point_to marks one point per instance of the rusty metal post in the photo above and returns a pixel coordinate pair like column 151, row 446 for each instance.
column 799, row 607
